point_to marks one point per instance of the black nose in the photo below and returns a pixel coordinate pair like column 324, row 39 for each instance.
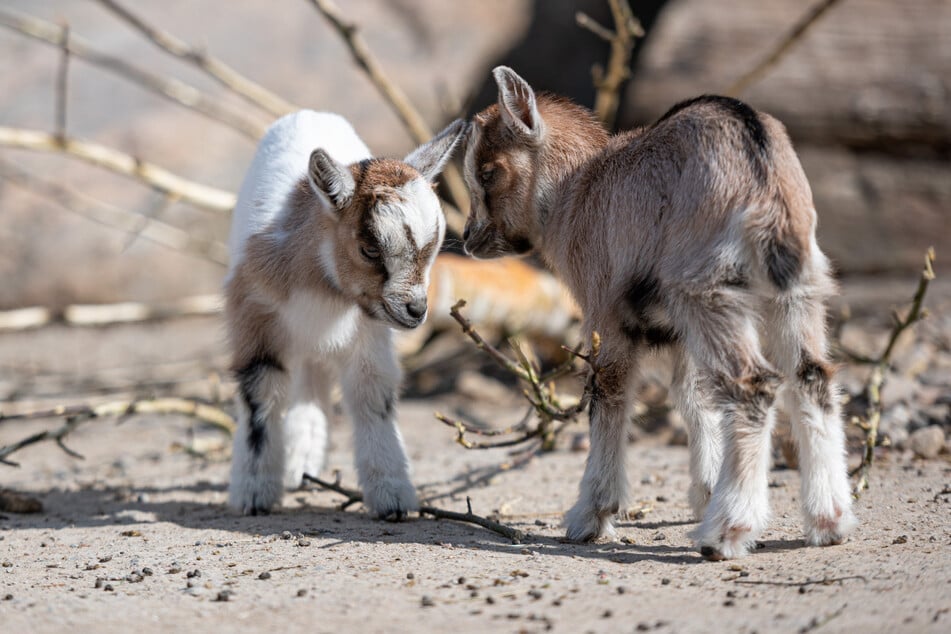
column 465, row 233
column 416, row 308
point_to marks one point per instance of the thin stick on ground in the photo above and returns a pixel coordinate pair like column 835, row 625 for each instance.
column 399, row 102
column 116, row 161
column 781, row 49
column 249, row 90
column 75, row 415
column 173, row 89
column 353, row 496
column 876, row 380
column 608, row 83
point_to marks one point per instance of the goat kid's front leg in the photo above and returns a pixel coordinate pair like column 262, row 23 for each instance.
column 257, row 463
column 306, row 422
column 604, row 484
column 370, row 385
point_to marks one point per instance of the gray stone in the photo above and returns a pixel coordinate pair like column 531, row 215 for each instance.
column 927, row 442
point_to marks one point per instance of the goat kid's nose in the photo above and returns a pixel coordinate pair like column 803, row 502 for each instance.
column 416, row 308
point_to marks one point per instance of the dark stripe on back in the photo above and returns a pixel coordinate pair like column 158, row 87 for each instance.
column 757, row 141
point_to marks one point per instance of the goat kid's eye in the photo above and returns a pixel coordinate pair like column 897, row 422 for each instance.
column 486, row 175
column 370, row 253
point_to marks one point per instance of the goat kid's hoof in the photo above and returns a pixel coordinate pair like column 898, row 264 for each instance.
column 733, row 543
column 830, row 531
column 390, row 500
column 589, row 526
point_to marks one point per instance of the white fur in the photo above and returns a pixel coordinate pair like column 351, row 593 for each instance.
column 279, row 163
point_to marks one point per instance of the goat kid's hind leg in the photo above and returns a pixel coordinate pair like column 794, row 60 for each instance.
column 306, row 422
column 604, row 485
column 812, row 401
column 257, row 462
column 691, row 394
column 721, row 335
column 370, row 385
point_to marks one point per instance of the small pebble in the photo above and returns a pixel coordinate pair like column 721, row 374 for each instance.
column 286, row 535
column 303, row 543
column 665, row 581
column 535, row 594
column 621, row 589
column 191, row 574
column 461, row 581
column 607, row 614
column 264, row 576
column 174, row 570
column 410, row 575
column 302, row 592
column 147, row 572
column 108, row 588
column 643, row 627
column 223, row 596
column 427, row 601
column 8, row 597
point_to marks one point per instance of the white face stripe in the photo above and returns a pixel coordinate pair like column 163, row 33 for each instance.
column 417, row 215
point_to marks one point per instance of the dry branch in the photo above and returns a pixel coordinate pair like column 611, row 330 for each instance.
column 781, row 48
column 116, row 218
column 76, row 414
column 249, row 90
column 401, row 104
column 108, row 158
column 540, row 393
column 174, row 89
column 608, row 83
column 876, row 380
column 353, row 496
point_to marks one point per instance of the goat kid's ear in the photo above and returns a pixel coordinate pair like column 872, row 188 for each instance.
column 330, row 179
column 517, row 103
column 429, row 158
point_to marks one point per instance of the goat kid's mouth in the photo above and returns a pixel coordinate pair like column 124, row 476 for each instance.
column 487, row 245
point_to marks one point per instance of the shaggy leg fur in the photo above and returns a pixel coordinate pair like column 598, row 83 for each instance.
column 812, row 401
column 305, row 424
column 370, row 385
column 257, row 462
column 604, row 485
column 693, row 400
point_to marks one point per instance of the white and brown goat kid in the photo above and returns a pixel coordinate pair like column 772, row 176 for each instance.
column 697, row 232
column 330, row 249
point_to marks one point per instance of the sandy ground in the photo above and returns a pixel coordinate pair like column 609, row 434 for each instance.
column 136, row 535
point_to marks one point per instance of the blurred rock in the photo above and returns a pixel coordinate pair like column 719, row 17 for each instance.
column 927, row 442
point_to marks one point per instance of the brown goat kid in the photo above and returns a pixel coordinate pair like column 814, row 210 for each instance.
column 697, row 233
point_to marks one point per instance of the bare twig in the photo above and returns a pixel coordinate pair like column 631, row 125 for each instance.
column 825, row 581
column 108, row 158
column 400, row 102
column 173, row 89
column 77, row 414
column 109, row 314
column 540, row 394
column 251, row 91
column 876, row 380
column 608, row 83
column 353, row 496
column 781, row 48
column 62, row 84
column 116, row 218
